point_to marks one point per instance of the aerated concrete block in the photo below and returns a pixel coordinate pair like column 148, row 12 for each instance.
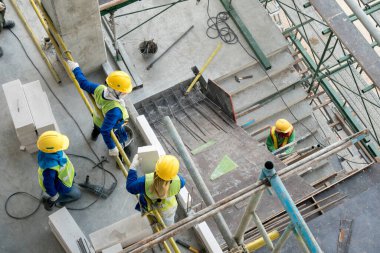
column 18, row 107
column 67, row 231
column 114, row 249
column 149, row 156
column 79, row 24
column 39, row 107
column 126, row 232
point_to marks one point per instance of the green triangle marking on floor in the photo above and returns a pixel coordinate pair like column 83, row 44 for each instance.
column 203, row 147
column 225, row 165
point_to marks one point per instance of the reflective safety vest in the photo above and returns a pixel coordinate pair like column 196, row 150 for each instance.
column 65, row 174
column 275, row 139
column 167, row 203
column 106, row 105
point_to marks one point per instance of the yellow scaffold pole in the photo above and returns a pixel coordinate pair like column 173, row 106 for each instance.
column 54, row 35
column 59, row 45
column 35, row 41
column 204, row 68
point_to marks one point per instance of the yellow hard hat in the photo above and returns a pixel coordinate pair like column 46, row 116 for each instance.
column 52, row 142
column 120, row 81
column 167, row 167
column 283, row 126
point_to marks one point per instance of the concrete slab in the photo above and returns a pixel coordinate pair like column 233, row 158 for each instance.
column 77, row 22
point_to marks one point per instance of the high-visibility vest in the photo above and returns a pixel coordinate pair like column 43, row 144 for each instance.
column 106, row 105
column 275, row 139
column 170, row 201
column 66, row 174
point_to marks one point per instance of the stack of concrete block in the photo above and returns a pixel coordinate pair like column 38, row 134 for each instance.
column 30, row 111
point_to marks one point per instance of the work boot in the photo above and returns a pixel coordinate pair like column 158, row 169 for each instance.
column 1, row 52
column 48, row 204
column 9, row 24
column 95, row 133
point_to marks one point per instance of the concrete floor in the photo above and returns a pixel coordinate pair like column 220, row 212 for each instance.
column 193, row 49
column 19, row 169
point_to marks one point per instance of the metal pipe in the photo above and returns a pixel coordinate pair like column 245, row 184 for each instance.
column 247, row 217
column 198, row 180
column 269, row 173
column 209, row 211
column 35, row 41
column 364, row 19
column 262, row 230
column 316, row 156
column 259, row 243
column 285, row 235
column 277, row 151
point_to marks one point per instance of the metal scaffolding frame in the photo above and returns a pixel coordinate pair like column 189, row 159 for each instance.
column 333, row 69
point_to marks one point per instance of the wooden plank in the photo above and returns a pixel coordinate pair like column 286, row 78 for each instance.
column 344, row 236
column 350, row 36
column 66, row 230
column 18, row 107
column 126, row 232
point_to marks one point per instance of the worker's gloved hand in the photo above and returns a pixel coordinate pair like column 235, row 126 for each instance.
column 49, row 202
column 135, row 162
column 2, row 6
column 113, row 152
column 72, row 65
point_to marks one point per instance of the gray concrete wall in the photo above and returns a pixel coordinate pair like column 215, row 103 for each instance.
column 78, row 22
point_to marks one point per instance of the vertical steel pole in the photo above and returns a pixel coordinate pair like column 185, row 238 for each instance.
column 200, row 184
column 285, row 235
column 113, row 28
column 269, row 173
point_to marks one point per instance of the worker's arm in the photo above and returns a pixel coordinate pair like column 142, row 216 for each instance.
column 109, row 122
column 291, row 139
column 49, row 181
column 134, row 184
column 269, row 143
column 83, row 82
column 183, row 181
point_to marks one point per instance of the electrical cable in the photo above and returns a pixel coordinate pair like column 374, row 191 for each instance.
column 99, row 164
column 221, row 29
column 219, row 25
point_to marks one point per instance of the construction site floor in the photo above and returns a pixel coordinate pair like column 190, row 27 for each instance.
column 19, row 169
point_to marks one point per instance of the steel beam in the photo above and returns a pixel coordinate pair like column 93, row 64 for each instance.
column 347, row 113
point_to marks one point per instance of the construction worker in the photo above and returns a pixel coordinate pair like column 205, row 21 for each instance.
column 55, row 172
column 159, row 187
column 4, row 24
column 280, row 135
column 111, row 102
